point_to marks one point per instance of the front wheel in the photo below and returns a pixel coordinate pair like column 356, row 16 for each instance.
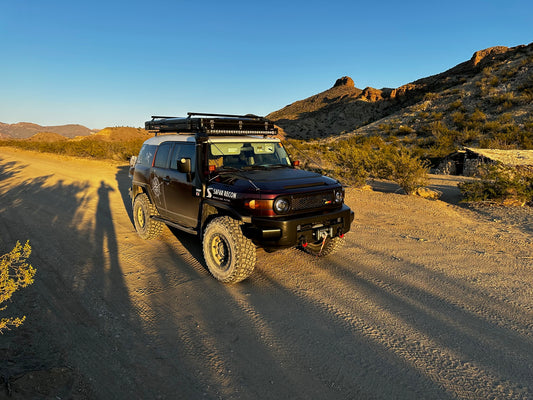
column 229, row 255
column 330, row 247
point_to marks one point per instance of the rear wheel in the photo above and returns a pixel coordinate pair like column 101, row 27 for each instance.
column 143, row 209
column 229, row 255
column 330, row 247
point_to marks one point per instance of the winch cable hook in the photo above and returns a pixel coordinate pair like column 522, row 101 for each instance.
column 325, row 236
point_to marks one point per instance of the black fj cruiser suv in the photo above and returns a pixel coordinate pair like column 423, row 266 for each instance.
column 227, row 179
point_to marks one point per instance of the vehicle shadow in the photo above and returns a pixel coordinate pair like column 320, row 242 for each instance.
column 190, row 242
column 124, row 183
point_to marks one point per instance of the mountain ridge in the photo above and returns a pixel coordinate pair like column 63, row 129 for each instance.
column 24, row 130
column 344, row 108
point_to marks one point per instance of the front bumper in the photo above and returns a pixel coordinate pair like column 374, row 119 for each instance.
column 278, row 233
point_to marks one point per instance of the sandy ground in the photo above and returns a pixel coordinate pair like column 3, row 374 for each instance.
column 428, row 300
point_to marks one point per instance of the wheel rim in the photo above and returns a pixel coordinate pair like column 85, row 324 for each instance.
column 140, row 217
column 220, row 252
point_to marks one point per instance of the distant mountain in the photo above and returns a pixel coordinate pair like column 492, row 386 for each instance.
column 495, row 81
column 23, row 130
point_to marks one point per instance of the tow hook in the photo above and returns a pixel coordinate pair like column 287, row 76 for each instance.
column 323, row 236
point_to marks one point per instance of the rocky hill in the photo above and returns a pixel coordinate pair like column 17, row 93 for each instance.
column 495, row 82
column 24, row 130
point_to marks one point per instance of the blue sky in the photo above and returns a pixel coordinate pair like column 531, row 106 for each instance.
column 115, row 63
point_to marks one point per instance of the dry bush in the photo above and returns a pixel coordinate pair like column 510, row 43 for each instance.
column 501, row 184
column 401, row 166
column 15, row 273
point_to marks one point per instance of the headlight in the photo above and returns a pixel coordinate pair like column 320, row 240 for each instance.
column 282, row 205
column 339, row 196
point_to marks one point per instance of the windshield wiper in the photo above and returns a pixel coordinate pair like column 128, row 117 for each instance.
column 256, row 166
column 280, row 166
column 265, row 166
column 225, row 168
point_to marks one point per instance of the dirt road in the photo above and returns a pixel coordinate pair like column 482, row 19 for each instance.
column 427, row 301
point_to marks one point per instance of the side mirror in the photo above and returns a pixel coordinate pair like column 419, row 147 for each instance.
column 296, row 163
column 184, row 165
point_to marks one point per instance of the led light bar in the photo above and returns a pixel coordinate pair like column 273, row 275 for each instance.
column 222, row 132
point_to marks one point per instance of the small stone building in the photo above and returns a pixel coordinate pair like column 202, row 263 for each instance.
column 466, row 162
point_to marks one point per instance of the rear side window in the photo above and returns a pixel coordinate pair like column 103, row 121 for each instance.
column 161, row 157
column 146, row 155
column 183, row 150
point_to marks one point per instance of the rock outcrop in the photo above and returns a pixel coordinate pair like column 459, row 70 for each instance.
column 344, row 81
column 491, row 51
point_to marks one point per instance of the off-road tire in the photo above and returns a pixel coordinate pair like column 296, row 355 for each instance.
column 229, row 255
column 330, row 247
column 143, row 209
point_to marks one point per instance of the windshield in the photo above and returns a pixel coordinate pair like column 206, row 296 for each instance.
column 244, row 155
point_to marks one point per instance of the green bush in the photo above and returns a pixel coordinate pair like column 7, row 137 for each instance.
column 499, row 183
column 455, row 105
column 350, row 165
column 402, row 167
column 405, row 130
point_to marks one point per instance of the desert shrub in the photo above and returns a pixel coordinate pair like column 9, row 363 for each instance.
column 404, row 168
column 88, row 147
column 455, row 105
column 459, row 119
column 470, row 135
column 507, row 136
column 499, row 183
column 526, row 90
column 445, row 140
column 492, row 126
column 504, row 98
column 437, row 116
column 505, row 118
column 15, row 273
column 387, row 129
column 477, row 116
column 405, row 130
column 494, row 81
column 350, row 165
column 431, row 96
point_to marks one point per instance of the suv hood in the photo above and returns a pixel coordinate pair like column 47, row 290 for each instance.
column 276, row 180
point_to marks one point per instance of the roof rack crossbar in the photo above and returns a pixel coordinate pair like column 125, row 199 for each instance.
column 160, row 116
column 190, row 114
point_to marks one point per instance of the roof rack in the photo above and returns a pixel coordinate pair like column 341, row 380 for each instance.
column 204, row 124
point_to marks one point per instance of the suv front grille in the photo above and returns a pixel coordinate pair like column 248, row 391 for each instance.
column 309, row 201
